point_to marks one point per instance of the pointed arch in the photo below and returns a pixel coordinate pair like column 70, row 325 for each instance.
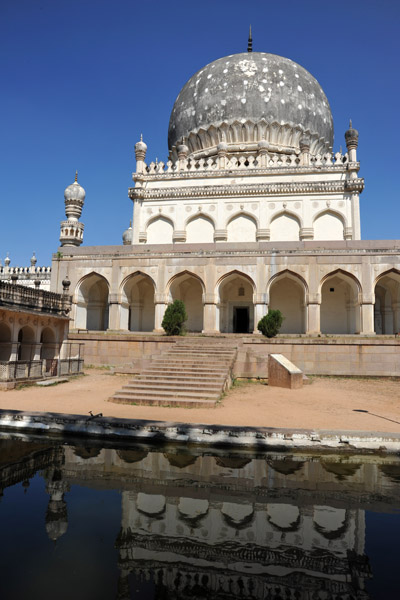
column 160, row 229
column 136, row 302
column 387, row 302
column 235, row 292
column 287, row 273
column 153, row 218
column 287, row 291
column 243, row 213
column 130, row 276
column 204, row 232
column 242, row 227
column 190, row 288
column 340, row 302
column 92, row 298
column 285, row 226
column 387, row 273
column 235, row 272
column 329, row 224
column 343, row 273
column 26, row 346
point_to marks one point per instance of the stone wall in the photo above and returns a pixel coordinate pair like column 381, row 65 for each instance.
column 345, row 355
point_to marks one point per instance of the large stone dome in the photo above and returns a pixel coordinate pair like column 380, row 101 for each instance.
column 245, row 98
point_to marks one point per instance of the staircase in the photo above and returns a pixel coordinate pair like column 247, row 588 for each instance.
column 193, row 373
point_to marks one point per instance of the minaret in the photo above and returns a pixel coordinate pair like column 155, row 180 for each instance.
column 250, row 42
column 72, row 229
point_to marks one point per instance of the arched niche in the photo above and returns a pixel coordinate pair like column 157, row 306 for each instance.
column 340, row 307
column 236, row 307
column 285, row 227
column 189, row 288
column 242, row 228
column 5, row 342
column 160, row 231
column 48, row 349
column 92, row 303
column 200, row 230
column 387, row 303
column 137, row 303
column 328, row 226
column 287, row 293
column 26, row 343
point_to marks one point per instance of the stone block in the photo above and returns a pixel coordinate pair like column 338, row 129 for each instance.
column 283, row 373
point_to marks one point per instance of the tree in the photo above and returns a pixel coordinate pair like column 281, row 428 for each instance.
column 271, row 323
column 174, row 318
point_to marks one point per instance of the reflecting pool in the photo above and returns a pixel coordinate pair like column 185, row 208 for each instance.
column 82, row 520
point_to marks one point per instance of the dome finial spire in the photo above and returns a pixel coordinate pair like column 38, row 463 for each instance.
column 350, row 124
column 250, row 42
column 76, row 176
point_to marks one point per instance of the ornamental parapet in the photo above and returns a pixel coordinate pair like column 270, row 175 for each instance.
column 253, row 190
column 263, row 161
column 354, row 185
column 25, row 298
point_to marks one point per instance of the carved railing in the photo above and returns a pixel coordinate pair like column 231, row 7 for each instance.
column 245, row 162
column 26, row 270
column 13, row 295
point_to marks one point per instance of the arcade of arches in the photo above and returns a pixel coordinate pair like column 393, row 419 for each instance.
column 337, row 303
column 29, row 337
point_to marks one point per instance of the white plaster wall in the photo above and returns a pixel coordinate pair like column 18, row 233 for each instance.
column 160, row 231
column 328, row 227
column 200, row 230
column 242, row 229
column 287, row 296
column 284, row 228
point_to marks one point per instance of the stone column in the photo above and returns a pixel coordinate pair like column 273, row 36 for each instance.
column 396, row 317
column 313, row 314
column 113, row 312
column 210, row 324
column 159, row 310
column 222, row 150
column 260, row 309
column 367, row 318
column 305, row 144
column 367, row 310
column 263, row 154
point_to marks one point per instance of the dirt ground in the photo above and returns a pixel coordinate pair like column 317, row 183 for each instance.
column 327, row 403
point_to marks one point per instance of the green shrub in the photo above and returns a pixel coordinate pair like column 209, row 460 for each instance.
column 174, row 318
column 271, row 323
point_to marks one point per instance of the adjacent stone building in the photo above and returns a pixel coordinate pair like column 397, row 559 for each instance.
column 252, row 210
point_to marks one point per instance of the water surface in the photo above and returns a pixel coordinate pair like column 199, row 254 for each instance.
column 79, row 520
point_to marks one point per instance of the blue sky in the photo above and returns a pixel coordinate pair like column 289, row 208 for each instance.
column 81, row 79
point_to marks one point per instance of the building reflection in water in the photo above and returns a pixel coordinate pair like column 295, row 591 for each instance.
column 226, row 525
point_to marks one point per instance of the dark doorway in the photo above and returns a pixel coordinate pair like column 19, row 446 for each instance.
column 241, row 320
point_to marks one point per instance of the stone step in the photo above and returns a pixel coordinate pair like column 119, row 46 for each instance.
column 202, row 350
column 184, row 372
column 189, row 362
column 187, row 374
column 176, row 377
column 171, row 393
column 156, row 401
column 172, row 385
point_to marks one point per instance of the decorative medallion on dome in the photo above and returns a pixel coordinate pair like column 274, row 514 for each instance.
column 246, row 98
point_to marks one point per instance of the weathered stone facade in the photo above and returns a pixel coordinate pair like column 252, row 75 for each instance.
column 251, row 211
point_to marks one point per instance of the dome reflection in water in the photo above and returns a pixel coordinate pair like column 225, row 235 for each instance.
column 142, row 522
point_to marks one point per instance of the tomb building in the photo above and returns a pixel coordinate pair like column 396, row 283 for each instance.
column 252, row 210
